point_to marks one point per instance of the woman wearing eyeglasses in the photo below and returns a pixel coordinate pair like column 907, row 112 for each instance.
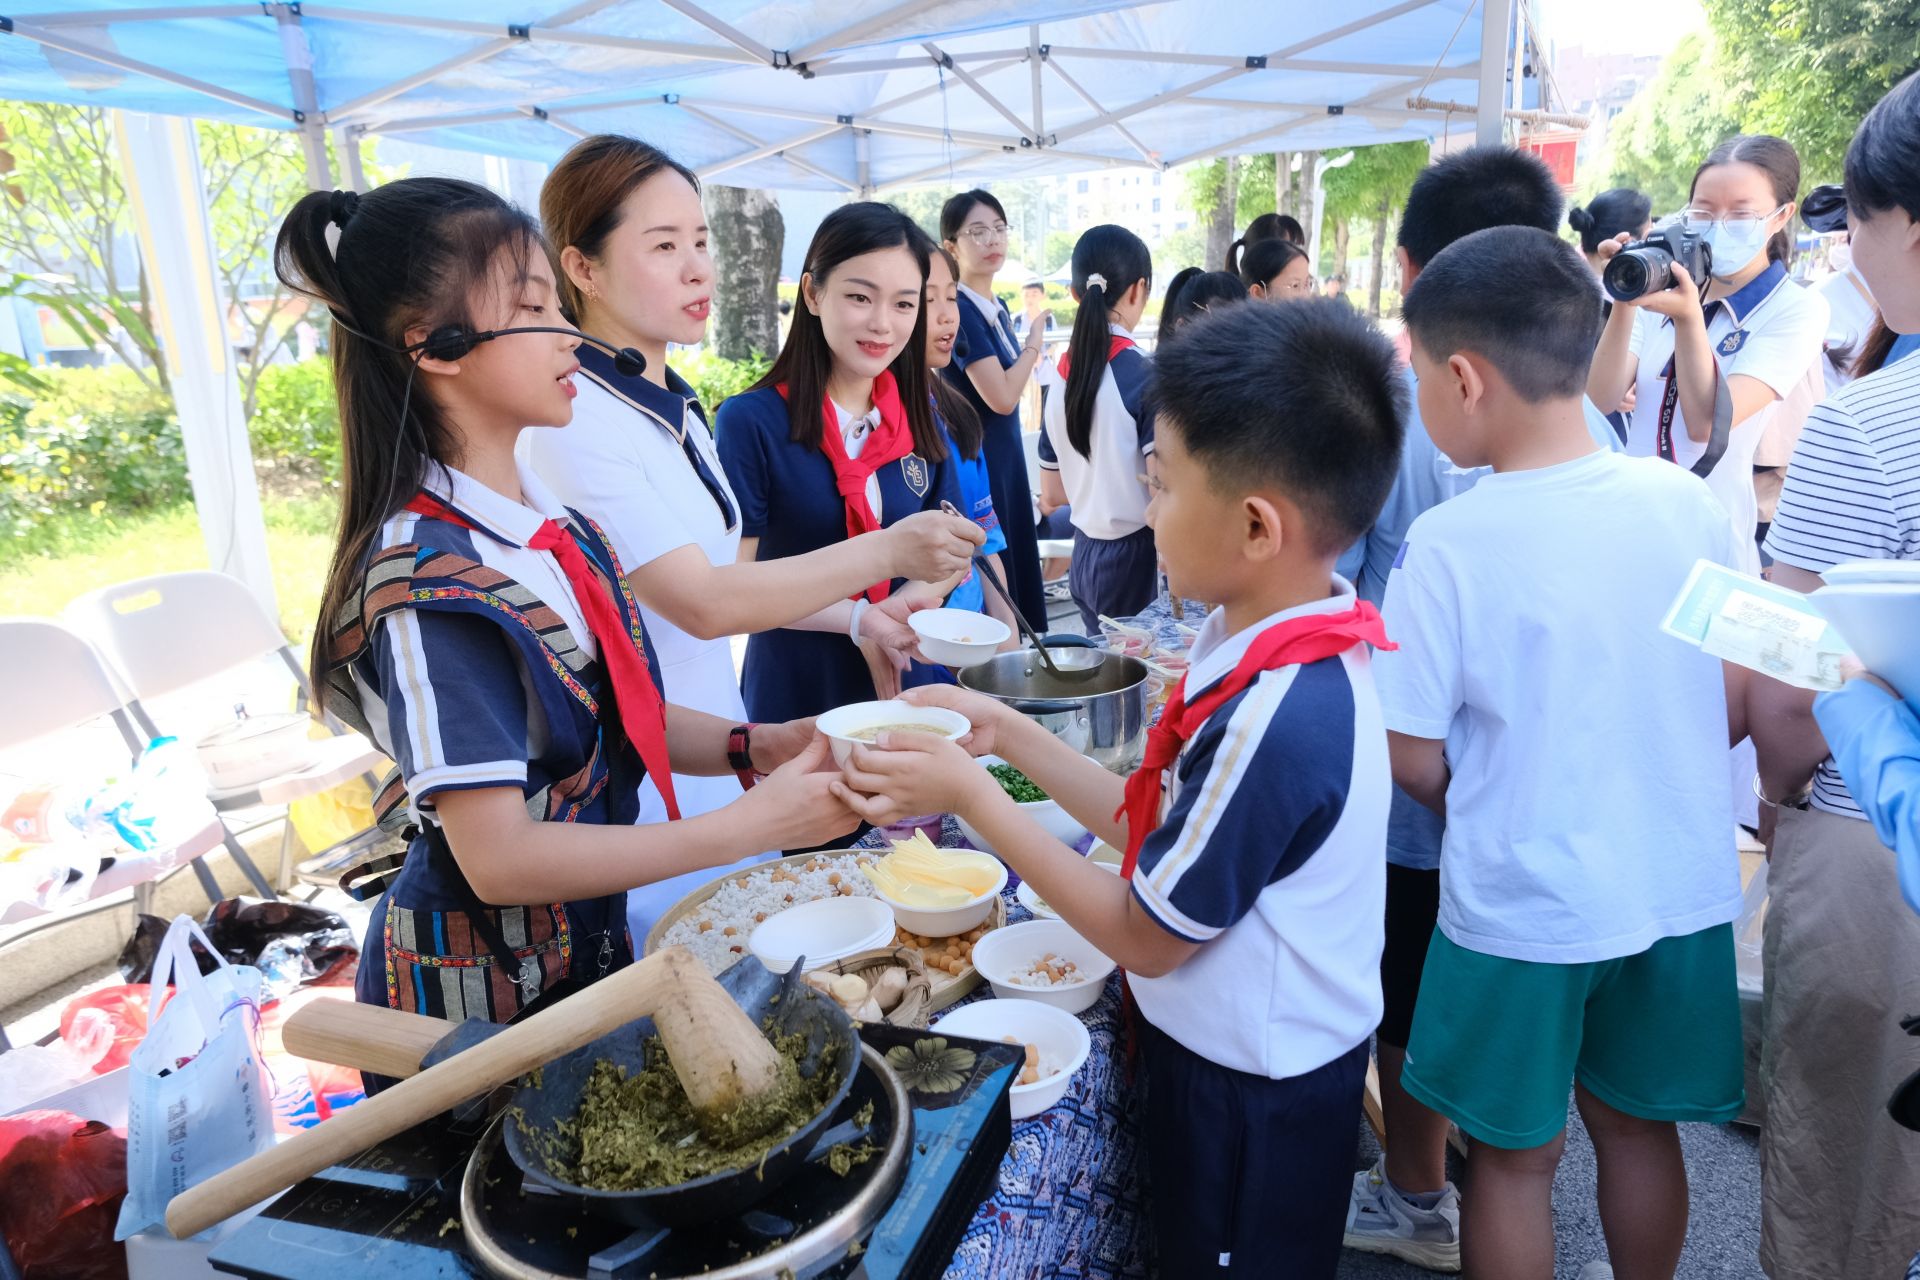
column 1749, row 327
column 992, row 375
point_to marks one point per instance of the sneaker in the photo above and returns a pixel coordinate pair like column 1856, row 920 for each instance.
column 1380, row 1221
column 1597, row 1269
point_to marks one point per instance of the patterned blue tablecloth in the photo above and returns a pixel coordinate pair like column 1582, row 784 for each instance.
column 1070, row 1200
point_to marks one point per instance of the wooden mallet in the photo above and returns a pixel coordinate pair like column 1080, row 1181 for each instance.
column 720, row 1057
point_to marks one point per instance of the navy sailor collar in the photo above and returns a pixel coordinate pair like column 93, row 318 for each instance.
column 1744, row 301
column 669, row 404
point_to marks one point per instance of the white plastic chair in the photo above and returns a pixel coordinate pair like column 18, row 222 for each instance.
column 51, row 682
column 164, row 633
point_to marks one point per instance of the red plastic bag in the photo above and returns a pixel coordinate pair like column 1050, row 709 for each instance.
column 126, row 1007
column 61, row 1182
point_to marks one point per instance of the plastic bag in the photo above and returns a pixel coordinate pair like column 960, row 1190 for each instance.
column 326, row 818
column 291, row 943
column 125, row 1011
column 61, row 1179
column 31, row 1072
column 198, row 1098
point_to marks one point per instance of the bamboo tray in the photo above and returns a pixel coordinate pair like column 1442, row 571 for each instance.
column 946, row 988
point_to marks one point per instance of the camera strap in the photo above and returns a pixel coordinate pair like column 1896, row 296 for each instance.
column 1722, row 420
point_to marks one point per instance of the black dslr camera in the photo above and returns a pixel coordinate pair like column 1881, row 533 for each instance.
column 1646, row 266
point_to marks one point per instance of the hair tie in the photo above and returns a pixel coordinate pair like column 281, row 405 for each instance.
column 341, row 206
column 1095, row 281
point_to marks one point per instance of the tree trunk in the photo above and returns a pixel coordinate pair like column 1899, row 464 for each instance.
column 1304, row 207
column 748, row 234
column 1342, row 233
column 1379, row 272
column 1220, row 230
column 1282, row 182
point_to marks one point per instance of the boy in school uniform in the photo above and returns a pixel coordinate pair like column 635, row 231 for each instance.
column 1249, row 916
column 1588, row 877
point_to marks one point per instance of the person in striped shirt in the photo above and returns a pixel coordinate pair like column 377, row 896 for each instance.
column 1841, row 943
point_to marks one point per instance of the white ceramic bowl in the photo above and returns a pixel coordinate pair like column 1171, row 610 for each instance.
column 957, row 637
column 944, row 922
column 1062, row 1041
column 822, row 931
column 1040, row 907
column 1003, row 952
column 841, row 723
column 1054, row 820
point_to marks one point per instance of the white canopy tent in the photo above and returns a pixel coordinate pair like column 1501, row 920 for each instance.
column 854, row 96
column 850, row 95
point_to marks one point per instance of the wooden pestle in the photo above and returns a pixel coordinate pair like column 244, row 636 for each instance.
column 718, row 1054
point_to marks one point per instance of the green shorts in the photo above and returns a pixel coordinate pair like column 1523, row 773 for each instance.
column 1496, row 1043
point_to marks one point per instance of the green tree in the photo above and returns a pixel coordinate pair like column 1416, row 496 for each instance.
column 65, row 228
column 1660, row 139
column 1373, row 185
column 1808, row 70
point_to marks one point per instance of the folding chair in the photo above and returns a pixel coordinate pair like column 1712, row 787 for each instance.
column 164, row 633
column 53, row 682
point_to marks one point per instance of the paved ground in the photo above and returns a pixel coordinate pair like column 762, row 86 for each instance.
column 1723, row 1232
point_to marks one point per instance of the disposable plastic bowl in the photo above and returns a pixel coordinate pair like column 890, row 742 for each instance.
column 823, row 931
column 1062, row 1041
column 958, row 637
column 1004, row 952
column 841, row 723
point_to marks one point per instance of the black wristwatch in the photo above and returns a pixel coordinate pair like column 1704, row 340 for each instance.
column 740, row 755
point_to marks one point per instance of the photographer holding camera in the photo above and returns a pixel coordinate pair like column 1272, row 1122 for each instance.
column 1710, row 366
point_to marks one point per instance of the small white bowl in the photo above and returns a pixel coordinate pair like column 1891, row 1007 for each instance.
column 822, row 931
column 1054, row 820
column 944, row 922
column 1062, row 1041
column 957, row 637
column 1040, row 907
column 1013, row 949
column 841, row 723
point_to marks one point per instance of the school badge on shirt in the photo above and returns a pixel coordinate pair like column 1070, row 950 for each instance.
column 913, row 469
column 1733, row 342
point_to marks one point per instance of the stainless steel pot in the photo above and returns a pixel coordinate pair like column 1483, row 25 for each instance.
column 1101, row 713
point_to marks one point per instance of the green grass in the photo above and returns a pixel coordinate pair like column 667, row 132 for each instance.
column 57, row 562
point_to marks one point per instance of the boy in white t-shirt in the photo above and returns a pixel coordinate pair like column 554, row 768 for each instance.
column 1588, row 875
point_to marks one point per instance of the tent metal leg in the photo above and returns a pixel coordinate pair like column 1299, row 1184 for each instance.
column 245, row 863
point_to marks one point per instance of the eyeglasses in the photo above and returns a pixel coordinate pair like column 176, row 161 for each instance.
column 1704, row 219
column 981, row 233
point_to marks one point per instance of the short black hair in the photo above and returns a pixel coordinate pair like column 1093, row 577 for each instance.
column 1472, row 190
column 1883, row 162
column 1201, row 293
column 1307, row 399
column 1521, row 299
column 1607, row 215
column 953, row 214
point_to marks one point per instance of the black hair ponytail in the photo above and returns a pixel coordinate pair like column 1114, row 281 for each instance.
column 1268, row 226
column 1170, row 304
column 1266, row 259
column 410, row 255
column 1120, row 259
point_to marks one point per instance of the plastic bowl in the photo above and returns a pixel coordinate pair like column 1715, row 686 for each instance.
column 958, row 637
column 944, row 922
column 841, row 723
column 822, row 931
column 1061, row 1040
column 1001, row 953
column 1040, row 908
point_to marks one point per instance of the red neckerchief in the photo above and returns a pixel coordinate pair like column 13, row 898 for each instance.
column 892, row 440
column 635, row 698
column 1120, row 343
column 1297, row 640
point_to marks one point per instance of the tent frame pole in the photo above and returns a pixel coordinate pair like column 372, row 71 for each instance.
column 80, row 49
column 770, row 149
column 1489, row 128
column 805, row 166
column 1146, row 152
column 731, row 34
column 306, row 97
column 853, row 33
column 980, row 90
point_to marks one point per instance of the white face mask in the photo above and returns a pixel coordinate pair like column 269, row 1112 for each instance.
column 1734, row 242
column 1840, row 257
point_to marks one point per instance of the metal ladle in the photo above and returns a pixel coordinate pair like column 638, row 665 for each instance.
column 1065, row 674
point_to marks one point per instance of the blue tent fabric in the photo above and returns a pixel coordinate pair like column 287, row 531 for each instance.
column 826, row 94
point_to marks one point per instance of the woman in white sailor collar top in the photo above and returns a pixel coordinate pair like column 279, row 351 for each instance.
column 627, row 222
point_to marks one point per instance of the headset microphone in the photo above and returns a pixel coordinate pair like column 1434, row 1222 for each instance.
column 452, row 342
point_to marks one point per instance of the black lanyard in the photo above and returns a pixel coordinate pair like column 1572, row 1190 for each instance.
column 1669, row 405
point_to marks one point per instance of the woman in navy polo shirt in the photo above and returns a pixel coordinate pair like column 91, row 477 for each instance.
column 1757, row 331
column 838, row 439
column 992, row 374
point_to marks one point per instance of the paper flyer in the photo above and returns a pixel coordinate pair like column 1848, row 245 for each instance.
column 1756, row 625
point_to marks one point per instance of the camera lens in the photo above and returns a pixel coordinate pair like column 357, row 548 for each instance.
column 1635, row 272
